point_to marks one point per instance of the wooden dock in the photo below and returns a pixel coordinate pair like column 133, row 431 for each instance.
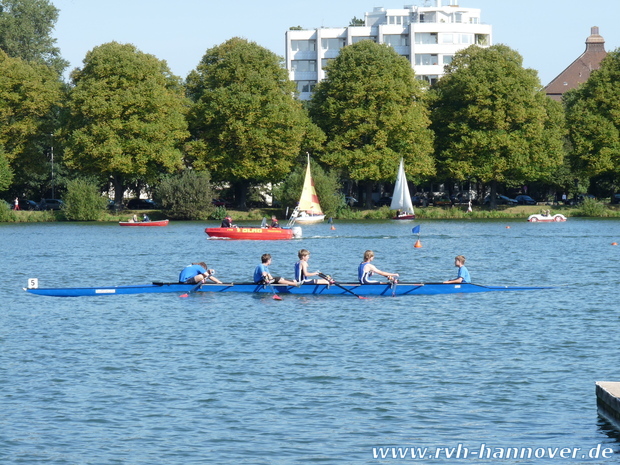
column 608, row 401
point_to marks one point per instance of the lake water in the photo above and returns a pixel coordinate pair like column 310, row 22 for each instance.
column 230, row 379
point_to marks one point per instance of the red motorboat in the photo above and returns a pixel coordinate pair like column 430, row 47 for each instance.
column 144, row 223
column 260, row 234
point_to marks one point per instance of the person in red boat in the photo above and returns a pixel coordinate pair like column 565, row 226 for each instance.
column 227, row 222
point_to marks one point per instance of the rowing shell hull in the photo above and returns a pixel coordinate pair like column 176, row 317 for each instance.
column 255, row 234
column 144, row 223
column 401, row 289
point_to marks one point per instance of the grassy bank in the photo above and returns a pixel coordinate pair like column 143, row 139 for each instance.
column 594, row 209
column 591, row 209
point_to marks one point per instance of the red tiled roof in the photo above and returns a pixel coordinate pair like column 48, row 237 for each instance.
column 579, row 70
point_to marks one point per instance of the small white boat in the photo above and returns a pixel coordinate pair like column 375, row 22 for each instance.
column 309, row 210
column 546, row 218
column 401, row 199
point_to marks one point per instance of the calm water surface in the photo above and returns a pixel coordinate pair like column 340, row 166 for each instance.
column 232, row 379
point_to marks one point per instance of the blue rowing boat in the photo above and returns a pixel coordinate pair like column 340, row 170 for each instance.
column 349, row 289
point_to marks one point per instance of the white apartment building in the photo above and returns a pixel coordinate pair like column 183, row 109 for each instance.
column 428, row 36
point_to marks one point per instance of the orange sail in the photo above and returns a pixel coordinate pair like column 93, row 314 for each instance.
column 309, row 201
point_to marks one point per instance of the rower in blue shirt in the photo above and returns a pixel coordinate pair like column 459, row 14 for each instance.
column 463, row 274
column 196, row 273
column 366, row 269
column 263, row 276
column 302, row 275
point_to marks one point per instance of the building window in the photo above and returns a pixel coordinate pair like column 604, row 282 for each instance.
column 430, row 78
column 397, row 20
column 395, row 40
column 426, row 59
column 426, row 38
column 474, row 20
column 428, row 17
column 332, row 44
column 305, row 86
column 482, row 39
column 303, row 65
column 357, row 39
column 448, row 39
column 325, row 62
column 303, row 45
column 447, row 59
column 467, row 39
column 458, row 17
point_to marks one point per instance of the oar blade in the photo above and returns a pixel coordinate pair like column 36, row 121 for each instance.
column 193, row 289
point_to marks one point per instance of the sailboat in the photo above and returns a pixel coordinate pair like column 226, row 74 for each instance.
column 308, row 210
column 401, row 199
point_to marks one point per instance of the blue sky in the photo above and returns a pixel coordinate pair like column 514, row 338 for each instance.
column 548, row 34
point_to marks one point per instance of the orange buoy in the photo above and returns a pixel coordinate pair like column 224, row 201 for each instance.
column 507, row 227
column 333, row 228
column 417, row 244
column 614, row 243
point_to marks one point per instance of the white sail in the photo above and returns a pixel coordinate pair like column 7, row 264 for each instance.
column 401, row 199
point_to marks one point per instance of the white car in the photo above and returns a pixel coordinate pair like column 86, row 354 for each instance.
column 546, row 218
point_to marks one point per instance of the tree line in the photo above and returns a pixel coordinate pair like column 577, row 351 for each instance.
column 125, row 120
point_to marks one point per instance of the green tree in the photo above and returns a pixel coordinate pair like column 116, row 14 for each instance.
column 83, row 201
column 30, row 94
column 25, row 32
column 246, row 125
column 186, row 195
column 355, row 21
column 6, row 174
column 371, row 108
column 126, row 117
column 492, row 121
column 593, row 120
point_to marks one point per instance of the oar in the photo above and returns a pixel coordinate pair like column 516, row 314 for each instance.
column 275, row 294
column 192, row 289
column 394, row 284
column 324, row 276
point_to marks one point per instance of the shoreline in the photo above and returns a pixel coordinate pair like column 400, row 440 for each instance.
column 384, row 213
